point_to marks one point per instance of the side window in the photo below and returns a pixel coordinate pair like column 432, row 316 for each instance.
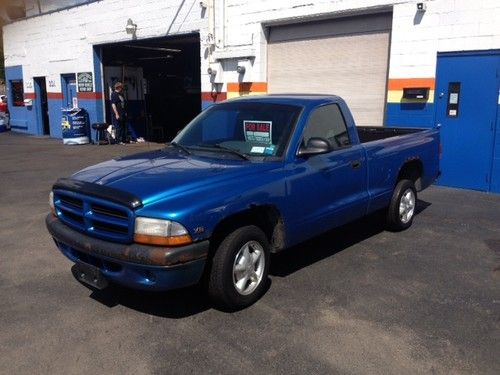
column 327, row 122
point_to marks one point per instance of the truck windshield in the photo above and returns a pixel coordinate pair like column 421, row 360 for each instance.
column 243, row 129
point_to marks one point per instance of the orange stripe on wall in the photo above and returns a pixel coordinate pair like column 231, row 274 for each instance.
column 213, row 96
column 54, row 95
column 29, row 95
column 401, row 83
column 247, row 87
column 89, row 95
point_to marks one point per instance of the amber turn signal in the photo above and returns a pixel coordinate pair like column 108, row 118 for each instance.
column 163, row 241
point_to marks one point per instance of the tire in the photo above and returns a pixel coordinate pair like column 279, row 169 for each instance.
column 234, row 281
column 402, row 207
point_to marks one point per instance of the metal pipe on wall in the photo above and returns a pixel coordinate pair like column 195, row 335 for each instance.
column 211, row 29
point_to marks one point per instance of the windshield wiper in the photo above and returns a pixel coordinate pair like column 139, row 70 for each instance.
column 183, row 148
column 226, row 149
column 231, row 150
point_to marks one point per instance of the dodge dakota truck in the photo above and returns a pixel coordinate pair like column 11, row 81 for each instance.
column 245, row 178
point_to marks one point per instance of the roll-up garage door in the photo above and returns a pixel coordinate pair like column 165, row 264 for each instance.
column 343, row 56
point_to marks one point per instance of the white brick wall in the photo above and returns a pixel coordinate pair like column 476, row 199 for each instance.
column 62, row 42
column 447, row 25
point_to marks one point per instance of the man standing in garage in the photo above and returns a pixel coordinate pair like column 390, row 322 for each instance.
column 119, row 114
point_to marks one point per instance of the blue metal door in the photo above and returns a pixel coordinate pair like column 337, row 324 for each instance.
column 69, row 90
column 466, row 107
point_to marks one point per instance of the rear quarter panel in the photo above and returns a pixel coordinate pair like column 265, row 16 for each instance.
column 386, row 157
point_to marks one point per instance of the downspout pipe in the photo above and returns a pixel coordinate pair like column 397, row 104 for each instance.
column 211, row 29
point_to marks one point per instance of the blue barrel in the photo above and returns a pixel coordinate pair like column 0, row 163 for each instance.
column 75, row 126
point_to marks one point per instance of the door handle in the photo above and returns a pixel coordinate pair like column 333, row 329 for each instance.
column 355, row 164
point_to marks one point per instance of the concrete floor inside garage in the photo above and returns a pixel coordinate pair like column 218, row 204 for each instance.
column 355, row 300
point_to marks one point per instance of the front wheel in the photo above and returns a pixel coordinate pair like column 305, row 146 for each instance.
column 240, row 268
column 402, row 207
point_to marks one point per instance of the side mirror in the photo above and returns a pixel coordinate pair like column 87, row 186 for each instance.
column 315, row 146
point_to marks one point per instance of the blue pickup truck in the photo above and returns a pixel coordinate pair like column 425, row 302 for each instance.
column 246, row 178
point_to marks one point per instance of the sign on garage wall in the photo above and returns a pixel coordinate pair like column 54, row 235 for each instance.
column 85, row 82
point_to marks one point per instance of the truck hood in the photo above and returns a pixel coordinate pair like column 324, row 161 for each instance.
column 159, row 174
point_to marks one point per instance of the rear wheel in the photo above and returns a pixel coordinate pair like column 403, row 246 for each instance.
column 240, row 268
column 402, row 208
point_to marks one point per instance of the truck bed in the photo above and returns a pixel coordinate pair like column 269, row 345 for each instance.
column 375, row 133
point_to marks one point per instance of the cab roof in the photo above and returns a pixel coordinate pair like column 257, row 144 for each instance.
column 293, row 99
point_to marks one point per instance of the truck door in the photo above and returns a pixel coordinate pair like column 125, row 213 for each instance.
column 329, row 189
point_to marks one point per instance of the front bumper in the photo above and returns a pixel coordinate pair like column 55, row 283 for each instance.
column 133, row 265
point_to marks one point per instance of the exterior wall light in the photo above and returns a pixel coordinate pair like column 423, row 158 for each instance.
column 215, row 72
column 421, row 7
column 244, row 70
column 131, row 27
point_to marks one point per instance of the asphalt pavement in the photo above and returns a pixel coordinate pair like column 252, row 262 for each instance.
column 356, row 300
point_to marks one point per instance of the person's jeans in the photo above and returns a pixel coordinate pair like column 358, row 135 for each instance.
column 131, row 131
column 121, row 130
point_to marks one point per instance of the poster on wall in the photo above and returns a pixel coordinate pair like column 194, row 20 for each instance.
column 85, row 83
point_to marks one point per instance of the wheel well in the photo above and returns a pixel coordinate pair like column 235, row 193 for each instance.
column 412, row 170
column 266, row 217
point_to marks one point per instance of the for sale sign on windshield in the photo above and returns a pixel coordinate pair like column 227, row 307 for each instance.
column 258, row 131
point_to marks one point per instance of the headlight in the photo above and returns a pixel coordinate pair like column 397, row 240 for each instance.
column 51, row 203
column 160, row 232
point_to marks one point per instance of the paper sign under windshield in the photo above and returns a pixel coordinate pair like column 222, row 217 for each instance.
column 258, row 131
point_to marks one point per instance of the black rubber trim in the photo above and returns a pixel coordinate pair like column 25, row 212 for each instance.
column 132, row 253
column 99, row 191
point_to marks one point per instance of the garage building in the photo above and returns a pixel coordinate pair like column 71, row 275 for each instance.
column 397, row 63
